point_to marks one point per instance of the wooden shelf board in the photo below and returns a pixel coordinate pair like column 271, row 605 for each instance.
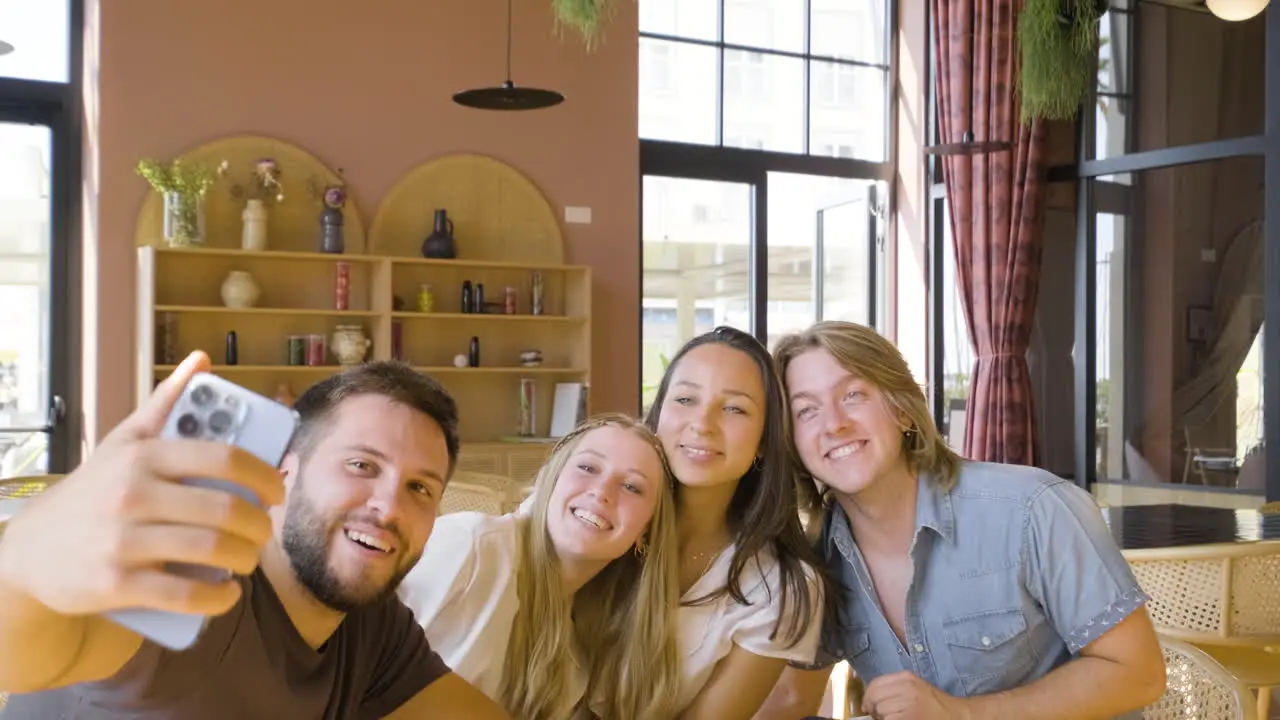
column 264, row 311
column 483, row 264
column 267, row 254
column 485, row 317
column 284, row 255
column 443, row 369
column 261, row 368
column 432, row 369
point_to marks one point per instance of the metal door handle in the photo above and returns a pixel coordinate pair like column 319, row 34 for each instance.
column 57, row 411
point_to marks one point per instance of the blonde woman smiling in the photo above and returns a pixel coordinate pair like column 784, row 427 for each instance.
column 572, row 599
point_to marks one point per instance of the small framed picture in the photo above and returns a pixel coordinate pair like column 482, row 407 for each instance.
column 1199, row 318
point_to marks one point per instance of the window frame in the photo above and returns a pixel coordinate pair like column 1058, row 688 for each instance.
column 1094, row 192
column 59, row 106
column 725, row 163
column 888, row 66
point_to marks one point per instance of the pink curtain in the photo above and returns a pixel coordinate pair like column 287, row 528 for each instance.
column 996, row 202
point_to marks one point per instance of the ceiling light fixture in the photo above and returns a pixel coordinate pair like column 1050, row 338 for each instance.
column 1236, row 10
column 508, row 96
column 5, row 48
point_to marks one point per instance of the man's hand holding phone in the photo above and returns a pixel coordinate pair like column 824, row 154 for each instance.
column 99, row 540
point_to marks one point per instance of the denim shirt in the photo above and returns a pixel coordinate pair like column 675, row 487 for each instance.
column 1015, row 572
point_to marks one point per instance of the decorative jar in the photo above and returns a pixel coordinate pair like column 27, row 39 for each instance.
column 240, row 290
column 349, row 344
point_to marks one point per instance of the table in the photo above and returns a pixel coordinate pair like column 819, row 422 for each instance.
column 1136, row 527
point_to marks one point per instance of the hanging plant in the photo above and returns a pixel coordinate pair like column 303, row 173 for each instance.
column 587, row 17
column 1058, row 41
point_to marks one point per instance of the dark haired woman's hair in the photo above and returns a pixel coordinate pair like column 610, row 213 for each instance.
column 765, row 509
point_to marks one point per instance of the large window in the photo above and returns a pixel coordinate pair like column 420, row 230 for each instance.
column 1170, row 247
column 38, row 39
column 796, row 76
column 1179, row 313
column 39, row 171
column 764, row 145
column 1172, row 252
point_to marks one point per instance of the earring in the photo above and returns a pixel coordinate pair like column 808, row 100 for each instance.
column 641, row 548
column 758, row 463
column 913, row 437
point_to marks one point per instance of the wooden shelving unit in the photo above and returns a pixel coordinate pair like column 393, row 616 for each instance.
column 505, row 229
column 297, row 298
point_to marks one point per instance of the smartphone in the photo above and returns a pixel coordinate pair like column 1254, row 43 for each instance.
column 215, row 409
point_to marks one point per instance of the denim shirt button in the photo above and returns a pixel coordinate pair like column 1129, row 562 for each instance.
column 986, row 641
column 919, row 648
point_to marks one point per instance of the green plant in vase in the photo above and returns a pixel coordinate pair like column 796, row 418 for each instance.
column 183, row 184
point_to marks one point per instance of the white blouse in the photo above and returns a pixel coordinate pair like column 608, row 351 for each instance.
column 709, row 631
column 463, row 593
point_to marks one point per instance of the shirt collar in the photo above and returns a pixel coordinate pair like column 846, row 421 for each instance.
column 933, row 511
column 933, row 508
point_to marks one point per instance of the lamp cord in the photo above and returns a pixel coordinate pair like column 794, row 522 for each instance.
column 508, row 40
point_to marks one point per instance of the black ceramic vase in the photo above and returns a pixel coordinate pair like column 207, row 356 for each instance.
column 331, row 235
column 439, row 244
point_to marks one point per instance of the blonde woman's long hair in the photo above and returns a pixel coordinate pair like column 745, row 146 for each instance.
column 620, row 626
column 870, row 356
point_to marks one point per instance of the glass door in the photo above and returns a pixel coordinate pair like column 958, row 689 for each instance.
column 30, row 409
column 696, row 245
column 825, row 250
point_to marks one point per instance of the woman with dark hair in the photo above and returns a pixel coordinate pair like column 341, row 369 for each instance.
column 750, row 594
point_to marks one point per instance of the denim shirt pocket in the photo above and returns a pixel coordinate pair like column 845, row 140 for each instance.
column 990, row 650
column 855, row 648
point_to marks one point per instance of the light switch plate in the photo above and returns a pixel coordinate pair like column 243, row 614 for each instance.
column 577, row 215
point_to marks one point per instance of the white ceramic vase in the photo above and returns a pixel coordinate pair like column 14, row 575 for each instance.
column 240, row 290
column 349, row 344
column 254, row 236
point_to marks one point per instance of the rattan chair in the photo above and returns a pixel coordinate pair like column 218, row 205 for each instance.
column 511, row 491
column 1224, row 599
column 1198, row 687
column 465, row 497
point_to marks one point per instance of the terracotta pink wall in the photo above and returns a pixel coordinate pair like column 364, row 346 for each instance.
column 366, row 87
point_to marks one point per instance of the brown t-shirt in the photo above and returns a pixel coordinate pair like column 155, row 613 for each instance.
column 251, row 663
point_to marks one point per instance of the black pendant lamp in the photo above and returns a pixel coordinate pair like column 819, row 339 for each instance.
column 507, row 96
column 967, row 145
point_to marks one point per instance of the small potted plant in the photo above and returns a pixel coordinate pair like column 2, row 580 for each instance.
column 587, row 17
column 183, row 185
column 1058, row 44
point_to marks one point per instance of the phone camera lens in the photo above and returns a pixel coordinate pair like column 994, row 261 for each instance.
column 188, row 425
column 202, row 395
column 220, row 422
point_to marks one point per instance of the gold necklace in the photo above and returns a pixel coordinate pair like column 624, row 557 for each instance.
column 693, row 559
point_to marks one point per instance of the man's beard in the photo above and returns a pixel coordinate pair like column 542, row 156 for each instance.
column 306, row 538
